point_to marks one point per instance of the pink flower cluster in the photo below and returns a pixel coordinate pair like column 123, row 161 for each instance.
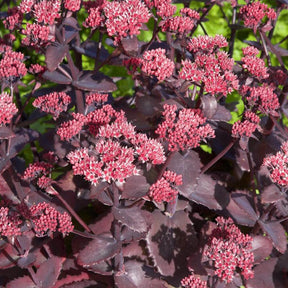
column 117, row 150
column 125, row 18
column 46, row 220
column 72, row 5
column 229, row 249
column 211, row 67
column 95, row 17
column 9, row 223
column 261, row 97
column 11, row 66
column 253, row 14
column 163, row 189
column 96, row 98
column 183, row 129
column 155, row 63
column 253, row 64
column 36, row 35
column 246, row 127
column 164, row 8
column 181, row 24
column 46, row 11
column 8, row 108
column 39, row 171
column 193, row 282
column 14, row 19
column 278, row 166
column 53, row 103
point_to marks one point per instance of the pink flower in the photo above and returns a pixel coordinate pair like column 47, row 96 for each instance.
column 96, row 98
column 53, row 103
column 278, row 166
column 228, row 250
column 46, row 11
column 8, row 108
column 193, row 282
column 155, row 63
column 9, row 223
column 183, row 129
column 26, row 6
column 46, row 220
column 253, row 14
column 36, row 69
column 14, row 19
column 72, row 5
column 164, row 8
column 246, row 127
column 163, row 189
column 94, row 18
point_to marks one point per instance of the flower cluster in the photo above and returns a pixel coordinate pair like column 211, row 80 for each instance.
column 39, row 171
column 72, row 5
column 46, row 220
column 14, row 19
column 246, row 127
column 96, row 98
column 125, row 18
column 213, row 68
column 253, row 14
column 53, row 103
column 163, row 189
column 8, row 108
column 253, row 64
column 193, row 282
column 46, row 11
column 278, row 166
column 155, row 63
column 183, row 129
column 164, row 8
column 229, row 249
column 95, row 17
column 181, row 24
column 261, row 97
column 11, row 66
column 9, row 223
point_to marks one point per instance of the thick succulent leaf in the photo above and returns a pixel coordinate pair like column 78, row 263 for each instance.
column 97, row 82
column 6, row 133
column 242, row 159
column 188, row 166
column 237, row 209
column 208, row 105
column 54, row 55
column 89, row 48
column 208, row 191
column 130, row 45
column 271, row 194
column 22, row 282
column 263, row 275
column 261, row 248
column 8, row 257
column 48, row 272
column 277, row 234
column 103, row 247
column 132, row 217
column 5, row 190
column 135, row 187
column 103, row 268
column 138, row 275
column 58, row 77
column 148, row 105
column 169, row 241
column 100, row 193
column 128, row 235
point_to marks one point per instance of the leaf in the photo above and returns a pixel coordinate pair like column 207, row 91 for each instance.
column 238, row 212
column 135, row 187
column 170, row 240
column 103, row 247
column 89, row 48
column 130, row 45
column 58, row 77
column 48, row 272
column 95, row 81
column 188, row 166
column 54, row 55
column 261, row 248
column 205, row 193
column 131, row 217
column 271, row 194
column 208, row 105
column 263, row 275
column 276, row 233
column 21, row 282
column 6, row 133
column 100, row 193
column 8, row 257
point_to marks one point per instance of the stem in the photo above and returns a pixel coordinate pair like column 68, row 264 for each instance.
column 233, row 33
column 52, row 191
column 265, row 48
column 218, row 157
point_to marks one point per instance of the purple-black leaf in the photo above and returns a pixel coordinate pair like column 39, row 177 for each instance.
column 103, row 247
column 54, row 55
column 277, row 234
column 208, row 105
column 6, row 133
column 57, row 76
column 263, row 275
column 132, row 217
column 130, row 45
column 24, row 281
column 90, row 48
column 261, row 248
column 271, row 194
column 135, row 187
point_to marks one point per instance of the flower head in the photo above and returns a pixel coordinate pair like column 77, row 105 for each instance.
column 8, row 108
column 246, row 127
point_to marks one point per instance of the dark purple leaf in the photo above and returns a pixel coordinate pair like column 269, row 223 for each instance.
column 54, row 55
column 147, row 105
column 276, row 233
column 207, row 191
column 90, row 48
column 26, row 261
column 22, row 282
column 100, row 193
column 58, row 77
column 103, row 247
column 130, row 45
column 132, row 217
column 138, row 275
column 96, row 82
column 271, row 194
column 222, row 114
column 170, row 240
column 128, row 235
column 72, row 22
column 48, row 272
column 6, row 133
column 135, row 187
column 242, row 159
column 261, row 248
column 103, row 268
column 208, row 105
column 263, row 275
column 189, row 167
column 8, row 257
column 6, row 191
